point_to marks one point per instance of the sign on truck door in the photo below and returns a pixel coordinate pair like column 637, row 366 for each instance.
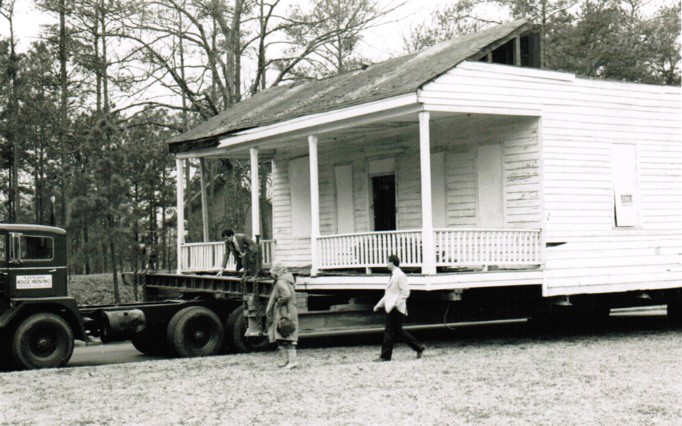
column 35, row 268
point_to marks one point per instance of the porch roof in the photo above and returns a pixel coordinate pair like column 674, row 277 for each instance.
column 394, row 77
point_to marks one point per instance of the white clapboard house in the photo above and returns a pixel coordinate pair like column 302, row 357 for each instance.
column 469, row 161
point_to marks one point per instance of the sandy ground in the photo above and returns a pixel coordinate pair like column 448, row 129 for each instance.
column 627, row 373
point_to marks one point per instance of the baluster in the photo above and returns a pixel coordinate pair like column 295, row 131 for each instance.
column 322, row 248
column 409, row 249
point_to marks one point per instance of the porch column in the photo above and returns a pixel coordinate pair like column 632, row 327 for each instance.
column 204, row 200
column 314, row 203
column 428, row 258
column 180, row 209
column 255, row 200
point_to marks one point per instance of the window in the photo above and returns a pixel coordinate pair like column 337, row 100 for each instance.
column 3, row 253
column 343, row 177
column 490, row 171
column 299, row 181
column 438, row 191
column 625, row 197
column 36, row 248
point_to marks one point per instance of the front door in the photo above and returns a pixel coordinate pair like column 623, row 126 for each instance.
column 383, row 196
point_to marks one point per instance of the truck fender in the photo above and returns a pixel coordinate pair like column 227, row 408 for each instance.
column 66, row 307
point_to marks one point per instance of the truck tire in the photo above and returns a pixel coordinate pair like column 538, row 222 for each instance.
column 195, row 331
column 236, row 329
column 42, row 341
column 150, row 343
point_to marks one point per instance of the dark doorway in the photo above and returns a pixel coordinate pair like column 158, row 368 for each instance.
column 383, row 193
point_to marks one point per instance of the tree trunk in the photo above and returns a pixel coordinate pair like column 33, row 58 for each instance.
column 112, row 251
column 63, row 110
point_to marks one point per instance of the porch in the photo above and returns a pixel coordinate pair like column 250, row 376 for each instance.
column 450, row 249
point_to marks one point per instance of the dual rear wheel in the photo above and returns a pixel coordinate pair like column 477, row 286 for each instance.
column 198, row 331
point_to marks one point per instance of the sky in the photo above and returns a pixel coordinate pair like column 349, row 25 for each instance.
column 380, row 42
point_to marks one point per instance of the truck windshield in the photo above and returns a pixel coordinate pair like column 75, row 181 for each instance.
column 36, row 248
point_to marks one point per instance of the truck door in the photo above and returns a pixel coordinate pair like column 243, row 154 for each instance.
column 34, row 267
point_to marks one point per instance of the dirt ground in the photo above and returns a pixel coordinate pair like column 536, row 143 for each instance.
column 621, row 374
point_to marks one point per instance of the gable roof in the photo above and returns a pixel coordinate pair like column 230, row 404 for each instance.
column 394, row 77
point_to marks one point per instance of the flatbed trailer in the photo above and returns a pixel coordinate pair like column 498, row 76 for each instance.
column 203, row 314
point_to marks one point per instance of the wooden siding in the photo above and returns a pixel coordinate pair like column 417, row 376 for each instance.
column 581, row 120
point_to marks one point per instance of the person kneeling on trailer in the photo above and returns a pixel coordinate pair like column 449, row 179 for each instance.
column 282, row 306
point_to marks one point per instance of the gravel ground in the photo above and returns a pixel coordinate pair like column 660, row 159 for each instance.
column 622, row 375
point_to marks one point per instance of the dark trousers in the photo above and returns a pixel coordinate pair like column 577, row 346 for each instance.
column 393, row 330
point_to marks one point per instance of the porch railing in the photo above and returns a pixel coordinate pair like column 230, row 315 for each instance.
column 485, row 247
column 209, row 256
column 370, row 249
column 453, row 248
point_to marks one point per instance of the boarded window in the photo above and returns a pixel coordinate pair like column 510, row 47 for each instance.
column 490, row 186
column 343, row 176
column 438, row 192
column 299, row 182
column 625, row 196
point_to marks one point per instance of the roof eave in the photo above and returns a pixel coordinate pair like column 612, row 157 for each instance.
column 313, row 124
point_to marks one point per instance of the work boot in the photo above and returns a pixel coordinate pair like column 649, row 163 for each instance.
column 283, row 356
column 292, row 359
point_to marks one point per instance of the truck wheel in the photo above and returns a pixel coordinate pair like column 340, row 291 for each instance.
column 195, row 331
column 236, row 328
column 149, row 343
column 42, row 341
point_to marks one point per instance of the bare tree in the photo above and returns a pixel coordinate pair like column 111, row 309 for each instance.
column 323, row 41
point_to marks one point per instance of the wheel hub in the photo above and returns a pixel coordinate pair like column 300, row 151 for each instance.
column 44, row 344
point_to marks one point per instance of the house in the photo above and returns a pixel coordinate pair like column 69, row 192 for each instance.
column 473, row 164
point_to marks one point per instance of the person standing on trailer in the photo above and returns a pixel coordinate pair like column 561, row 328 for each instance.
column 394, row 303
column 282, row 303
column 243, row 248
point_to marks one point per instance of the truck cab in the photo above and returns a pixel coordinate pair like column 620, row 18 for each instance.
column 32, row 261
column 38, row 320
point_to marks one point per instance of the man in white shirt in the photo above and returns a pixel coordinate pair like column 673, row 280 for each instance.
column 394, row 303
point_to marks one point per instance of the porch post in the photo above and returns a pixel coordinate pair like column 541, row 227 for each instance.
column 255, row 186
column 428, row 258
column 204, row 200
column 180, row 209
column 314, row 203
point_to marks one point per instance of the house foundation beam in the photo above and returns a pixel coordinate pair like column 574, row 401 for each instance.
column 180, row 209
column 314, row 204
column 255, row 198
column 428, row 258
